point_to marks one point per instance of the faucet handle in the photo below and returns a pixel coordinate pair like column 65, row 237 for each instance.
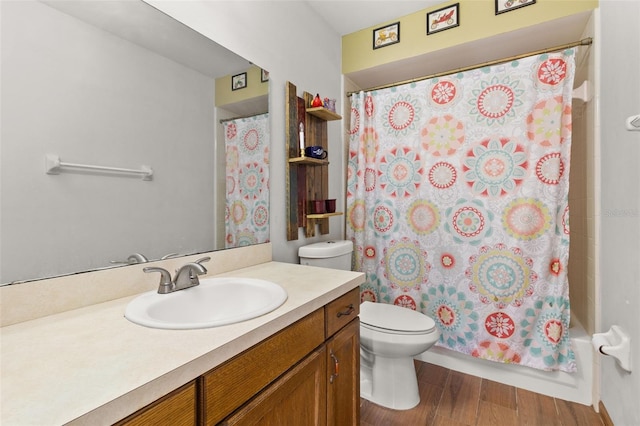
column 166, row 284
column 203, row 259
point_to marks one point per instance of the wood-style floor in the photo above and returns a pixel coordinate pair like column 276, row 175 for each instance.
column 455, row 399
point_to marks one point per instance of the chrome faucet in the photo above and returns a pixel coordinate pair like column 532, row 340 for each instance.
column 186, row 276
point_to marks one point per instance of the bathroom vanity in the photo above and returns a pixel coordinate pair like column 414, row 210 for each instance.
column 90, row 365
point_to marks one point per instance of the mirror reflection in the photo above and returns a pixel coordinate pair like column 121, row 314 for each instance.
column 121, row 85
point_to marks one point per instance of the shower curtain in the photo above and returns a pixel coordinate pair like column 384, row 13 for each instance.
column 457, row 204
column 247, row 181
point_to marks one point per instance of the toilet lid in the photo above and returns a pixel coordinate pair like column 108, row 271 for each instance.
column 396, row 318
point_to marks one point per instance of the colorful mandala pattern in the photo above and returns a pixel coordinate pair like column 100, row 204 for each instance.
column 442, row 175
column 251, row 181
column 401, row 114
column 444, row 93
column 423, row 217
column 356, row 215
column 232, row 158
column 500, row 325
column 355, row 122
column 545, row 330
column 352, row 174
column 468, row 222
column 453, row 314
column 501, row 276
column 496, row 351
column 495, row 167
column 369, row 143
column 442, row 136
column 405, row 301
column 552, row 71
column 231, row 131
column 495, row 101
column 400, row 172
column 251, row 140
column 384, row 219
column 549, row 124
column 550, row 168
column 526, row 218
column 238, row 212
column 246, row 238
column 260, row 216
column 405, row 264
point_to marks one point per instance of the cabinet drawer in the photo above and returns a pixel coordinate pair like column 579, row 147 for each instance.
column 233, row 383
column 342, row 310
column 179, row 406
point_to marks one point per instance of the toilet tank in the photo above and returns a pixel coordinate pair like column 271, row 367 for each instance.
column 327, row 254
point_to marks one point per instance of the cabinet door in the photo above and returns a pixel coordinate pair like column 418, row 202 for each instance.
column 176, row 409
column 343, row 376
column 297, row 398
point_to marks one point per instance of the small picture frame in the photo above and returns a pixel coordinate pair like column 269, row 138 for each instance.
column 239, row 81
column 503, row 6
column 387, row 35
column 443, row 19
column 264, row 75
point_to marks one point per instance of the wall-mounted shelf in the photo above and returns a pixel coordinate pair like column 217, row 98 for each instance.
column 308, row 161
column 307, row 178
column 324, row 113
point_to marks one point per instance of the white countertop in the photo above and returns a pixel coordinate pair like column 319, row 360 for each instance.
column 93, row 366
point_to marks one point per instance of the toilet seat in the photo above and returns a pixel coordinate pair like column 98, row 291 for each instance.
column 386, row 318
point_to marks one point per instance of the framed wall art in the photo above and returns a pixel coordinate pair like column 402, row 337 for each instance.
column 443, row 19
column 239, row 81
column 503, row 6
column 385, row 36
column 264, row 75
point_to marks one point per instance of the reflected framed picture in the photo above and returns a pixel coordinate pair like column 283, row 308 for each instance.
column 443, row 19
column 264, row 75
column 503, row 6
column 239, row 81
column 385, row 36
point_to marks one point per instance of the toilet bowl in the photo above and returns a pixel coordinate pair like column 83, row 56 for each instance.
column 390, row 336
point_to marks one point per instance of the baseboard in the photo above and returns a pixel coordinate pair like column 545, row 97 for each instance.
column 604, row 415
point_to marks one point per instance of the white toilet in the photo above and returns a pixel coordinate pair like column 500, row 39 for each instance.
column 390, row 336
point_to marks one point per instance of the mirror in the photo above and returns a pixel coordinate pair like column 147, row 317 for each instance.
column 116, row 84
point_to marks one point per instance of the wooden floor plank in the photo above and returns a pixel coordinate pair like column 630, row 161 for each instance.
column 460, row 398
column 490, row 414
column 450, row 398
column 499, row 394
column 536, row 410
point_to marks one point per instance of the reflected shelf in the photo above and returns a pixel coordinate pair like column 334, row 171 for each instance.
column 323, row 215
column 308, row 160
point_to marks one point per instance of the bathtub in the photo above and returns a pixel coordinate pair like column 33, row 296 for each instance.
column 575, row 387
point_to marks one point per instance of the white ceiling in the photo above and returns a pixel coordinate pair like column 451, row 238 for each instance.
column 349, row 16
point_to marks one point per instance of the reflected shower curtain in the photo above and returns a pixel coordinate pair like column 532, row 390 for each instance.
column 247, row 164
column 457, row 204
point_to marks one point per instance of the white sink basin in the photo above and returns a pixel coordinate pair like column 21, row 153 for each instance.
column 215, row 302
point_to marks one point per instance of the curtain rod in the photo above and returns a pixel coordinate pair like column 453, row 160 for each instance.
column 584, row 42
column 224, row 120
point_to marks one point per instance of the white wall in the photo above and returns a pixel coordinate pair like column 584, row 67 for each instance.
column 620, row 201
column 288, row 40
column 50, row 221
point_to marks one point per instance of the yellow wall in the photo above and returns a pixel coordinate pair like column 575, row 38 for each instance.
column 477, row 21
column 255, row 88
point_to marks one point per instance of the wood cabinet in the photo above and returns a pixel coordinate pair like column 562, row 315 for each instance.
column 179, row 408
column 307, row 179
column 306, row 374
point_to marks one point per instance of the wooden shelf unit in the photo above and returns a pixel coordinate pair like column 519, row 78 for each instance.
column 307, row 178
